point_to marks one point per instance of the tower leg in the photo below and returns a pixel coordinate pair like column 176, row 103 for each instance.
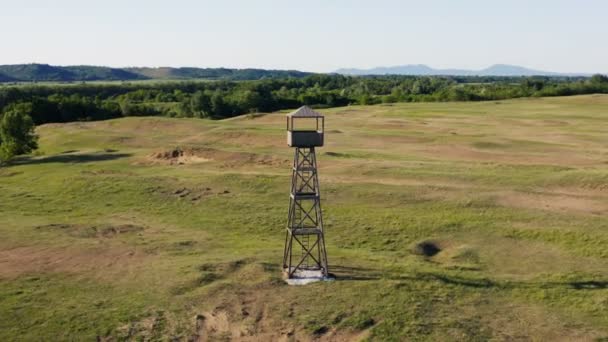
column 304, row 250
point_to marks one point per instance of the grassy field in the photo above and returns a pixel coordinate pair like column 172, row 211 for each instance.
column 109, row 233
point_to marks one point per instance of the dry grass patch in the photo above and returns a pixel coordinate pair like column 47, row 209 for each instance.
column 104, row 261
column 557, row 202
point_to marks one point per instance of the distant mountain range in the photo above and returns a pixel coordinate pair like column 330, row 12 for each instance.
column 46, row 73
column 78, row 73
column 422, row 70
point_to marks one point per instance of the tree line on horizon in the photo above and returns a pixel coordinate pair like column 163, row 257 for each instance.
column 223, row 99
column 81, row 73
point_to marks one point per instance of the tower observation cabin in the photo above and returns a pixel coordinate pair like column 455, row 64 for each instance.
column 305, row 128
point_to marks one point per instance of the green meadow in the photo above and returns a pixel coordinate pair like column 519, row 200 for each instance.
column 152, row 228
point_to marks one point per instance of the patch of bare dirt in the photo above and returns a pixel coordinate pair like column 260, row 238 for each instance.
column 179, row 156
column 79, row 125
column 242, row 315
column 217, row 325
column 246, row 314
column 18, row 261
column 157, row 326
column 249, row 321
column 226, row 159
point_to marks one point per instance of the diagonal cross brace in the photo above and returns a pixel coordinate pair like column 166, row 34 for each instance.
column 308, row 253
column 307, row 214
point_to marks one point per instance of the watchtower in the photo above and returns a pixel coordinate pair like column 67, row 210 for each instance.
column 304, row 254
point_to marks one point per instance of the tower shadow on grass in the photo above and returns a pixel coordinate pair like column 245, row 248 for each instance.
column 69, row 158
column 589, row 285
column 348, row 273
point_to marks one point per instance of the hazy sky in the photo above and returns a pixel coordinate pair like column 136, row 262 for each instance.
column 309, row 35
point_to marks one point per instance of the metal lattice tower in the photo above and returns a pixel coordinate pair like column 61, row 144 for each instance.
column 304, row 240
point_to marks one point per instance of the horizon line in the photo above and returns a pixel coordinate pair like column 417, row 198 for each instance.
column 334, row 71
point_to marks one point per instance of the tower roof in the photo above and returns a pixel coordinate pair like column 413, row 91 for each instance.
column 305, row 112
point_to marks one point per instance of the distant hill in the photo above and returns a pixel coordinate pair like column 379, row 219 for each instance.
column 215, row 73
column 422, row 70
column 33, row 72
column 45, row 72
column 77, row 73
column 96, row 73
column 4, row 78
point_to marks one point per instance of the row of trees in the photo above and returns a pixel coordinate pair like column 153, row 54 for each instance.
column 64, row 103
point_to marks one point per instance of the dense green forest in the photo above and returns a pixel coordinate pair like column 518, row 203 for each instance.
column 221, row 99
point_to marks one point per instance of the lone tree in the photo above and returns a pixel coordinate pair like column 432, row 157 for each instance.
column 17, row 132
column 200, row 104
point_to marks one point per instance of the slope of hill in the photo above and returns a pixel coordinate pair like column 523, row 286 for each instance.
column 422, row 70
column 513, row 70
column 97, row 73
column 36, row 72
column 4, row 78
column 215, row 73
column 45, row 72
column 444, row 222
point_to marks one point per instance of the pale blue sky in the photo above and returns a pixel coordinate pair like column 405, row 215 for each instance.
column 310, row 35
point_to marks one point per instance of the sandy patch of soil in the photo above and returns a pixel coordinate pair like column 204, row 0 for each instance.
column 247, row 314
column 179, row 156
column 228, row 159
column 249, row 321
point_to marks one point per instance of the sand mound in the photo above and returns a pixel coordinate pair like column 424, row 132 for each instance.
column 179, row 156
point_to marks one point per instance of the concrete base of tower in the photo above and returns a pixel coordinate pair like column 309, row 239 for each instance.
column 303, row 277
